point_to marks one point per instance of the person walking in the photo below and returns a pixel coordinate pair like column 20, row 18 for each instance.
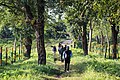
column 59, row 49
column 61, row 52
column 54, row 52
column 65, row 47
column 67, row 55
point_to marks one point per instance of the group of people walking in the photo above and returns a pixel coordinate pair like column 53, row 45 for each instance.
column 65, row 55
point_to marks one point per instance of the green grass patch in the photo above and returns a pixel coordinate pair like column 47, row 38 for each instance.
column 90, row 67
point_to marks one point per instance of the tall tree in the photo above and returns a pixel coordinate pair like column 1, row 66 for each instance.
column 110, row 10
column 38, row 26
column 79, row 12
column 17, row 19
column 90, row 36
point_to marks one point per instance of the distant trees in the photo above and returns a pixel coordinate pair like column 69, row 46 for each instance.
column 57, row 18
column 38, row 25
column 57, row 30
column 78, row 14
column 110, row 11
column 15, row 18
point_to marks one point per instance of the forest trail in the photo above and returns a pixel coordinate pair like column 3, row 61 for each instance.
column 61, row 73
column 66, row 42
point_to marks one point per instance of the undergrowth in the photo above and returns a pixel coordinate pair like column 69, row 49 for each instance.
column 90, row 67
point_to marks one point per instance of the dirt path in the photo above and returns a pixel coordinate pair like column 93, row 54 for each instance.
column 67, row 42
column 62, row 74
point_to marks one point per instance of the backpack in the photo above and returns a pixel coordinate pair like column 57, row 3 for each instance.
column 67, row 55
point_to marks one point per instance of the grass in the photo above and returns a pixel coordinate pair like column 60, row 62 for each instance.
column 91, row 67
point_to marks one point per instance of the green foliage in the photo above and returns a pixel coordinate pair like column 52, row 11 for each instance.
column 15, row 19
column 88, row 67
column 62, row 18
column 6, row 33
column 108, row 9
column 78, row 13
column 56, row 30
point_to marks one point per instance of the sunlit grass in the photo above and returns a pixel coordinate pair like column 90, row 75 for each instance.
column 91, row 67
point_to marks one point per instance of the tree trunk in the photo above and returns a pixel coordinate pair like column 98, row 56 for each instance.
column 97, row 39
column 114, row 40
column 105, row 50
column 28, row 44
column 84, row 40
column 102, row 38
column 20, row 45
column 108, row 44
column 102, row 41
column 39, row 29
column 90, row 36
column 38, row 26
column 109, row 49
column 40, row 46
column 15, row 50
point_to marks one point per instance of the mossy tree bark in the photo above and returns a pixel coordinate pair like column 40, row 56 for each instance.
column 38, row 26
column 115, row 30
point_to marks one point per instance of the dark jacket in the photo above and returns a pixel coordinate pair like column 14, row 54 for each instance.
column 67, row 56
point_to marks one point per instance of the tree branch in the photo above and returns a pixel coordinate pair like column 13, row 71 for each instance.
column 117, row 29
column 11, row 7
column 28, row 11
